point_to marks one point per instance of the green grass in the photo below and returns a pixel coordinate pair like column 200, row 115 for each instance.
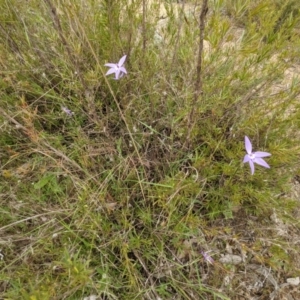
column 119, row 200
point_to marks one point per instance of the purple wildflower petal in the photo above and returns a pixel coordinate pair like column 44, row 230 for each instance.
column 111, row 65
column 67, row 111
column 251, row 166
column 110, row 71
column 261, row 162
column 255, row 157
column 248, row 145
column 117, row 69
column 122, row 60
column 122, row 69
column 118, row 74
column 207, row 257
column 262, row 154
column 246, row 158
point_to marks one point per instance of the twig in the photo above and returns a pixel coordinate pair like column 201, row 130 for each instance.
column 144, row 25
column 198, row 82
column 182, row 16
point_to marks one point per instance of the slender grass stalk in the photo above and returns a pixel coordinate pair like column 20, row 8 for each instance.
column 178, row 34
column 144, row 25
column 198, row 83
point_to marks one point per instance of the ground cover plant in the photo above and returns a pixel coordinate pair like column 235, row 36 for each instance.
column 149, row 149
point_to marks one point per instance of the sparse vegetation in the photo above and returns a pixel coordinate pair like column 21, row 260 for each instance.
column 124, row 188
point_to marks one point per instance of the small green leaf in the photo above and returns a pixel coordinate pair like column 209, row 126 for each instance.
column 41, row 183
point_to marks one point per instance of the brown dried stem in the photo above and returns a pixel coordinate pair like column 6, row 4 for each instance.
column 198, row 83
column 144, row 25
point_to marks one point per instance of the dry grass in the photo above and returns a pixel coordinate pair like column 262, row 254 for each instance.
column 121, row 199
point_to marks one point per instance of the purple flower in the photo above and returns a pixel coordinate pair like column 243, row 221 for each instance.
column 254, row 157
column 207, row 257
column 118, row 68
column 67, row 111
